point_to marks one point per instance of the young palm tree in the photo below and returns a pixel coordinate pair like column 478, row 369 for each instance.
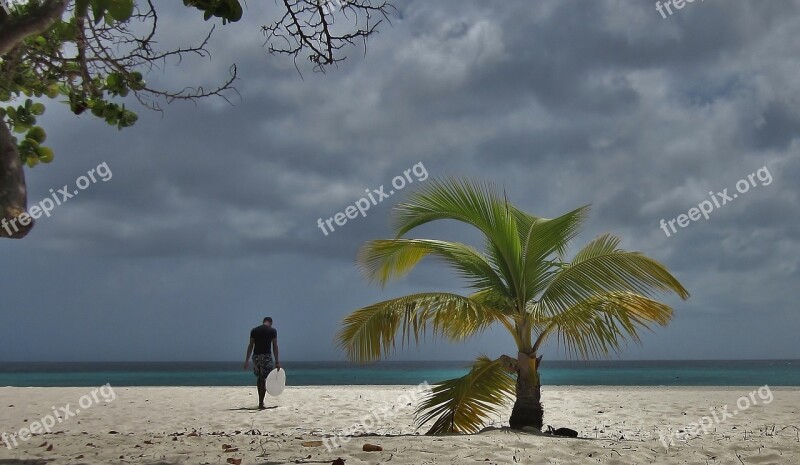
column 521, row 281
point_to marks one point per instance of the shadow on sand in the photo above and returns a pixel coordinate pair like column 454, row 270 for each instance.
column 251, row 409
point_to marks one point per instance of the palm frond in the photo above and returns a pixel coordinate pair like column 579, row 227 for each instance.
column 477, row 204
column 552, row 236
column 502, row 303
column 601, row 268
column 462, row 405
column 493, row 298
column 382, row 260
column 598, row 326
column 548, row 238
column 600, row 245
column 524, row 221
column 371, row 332
column 471, row 202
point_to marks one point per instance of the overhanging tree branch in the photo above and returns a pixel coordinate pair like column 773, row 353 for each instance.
column 14, row 29
column 92, row 54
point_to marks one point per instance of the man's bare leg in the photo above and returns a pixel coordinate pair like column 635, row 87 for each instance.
column 262, row 391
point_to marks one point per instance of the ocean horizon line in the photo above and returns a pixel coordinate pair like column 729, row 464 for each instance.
column 310, row 373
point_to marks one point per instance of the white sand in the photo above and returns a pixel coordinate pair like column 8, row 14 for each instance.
column 618, row 425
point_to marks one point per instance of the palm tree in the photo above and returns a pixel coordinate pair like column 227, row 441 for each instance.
column 590, row 305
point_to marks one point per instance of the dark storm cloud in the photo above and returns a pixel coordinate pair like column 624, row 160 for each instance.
column 210, row 220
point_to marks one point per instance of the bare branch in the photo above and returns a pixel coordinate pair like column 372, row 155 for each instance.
column 308, row 26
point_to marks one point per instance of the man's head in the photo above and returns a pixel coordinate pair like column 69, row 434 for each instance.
column 268, row 321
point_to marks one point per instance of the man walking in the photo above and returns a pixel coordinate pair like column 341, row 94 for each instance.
column 263, row 338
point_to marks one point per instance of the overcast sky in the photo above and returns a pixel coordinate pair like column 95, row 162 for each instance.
column 209, row 220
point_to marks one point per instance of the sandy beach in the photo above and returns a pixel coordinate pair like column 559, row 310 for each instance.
column 617, row 425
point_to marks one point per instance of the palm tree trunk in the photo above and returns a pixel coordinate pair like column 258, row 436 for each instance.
column 528, row 410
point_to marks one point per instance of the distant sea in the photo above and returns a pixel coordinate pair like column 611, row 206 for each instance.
column 594, row 373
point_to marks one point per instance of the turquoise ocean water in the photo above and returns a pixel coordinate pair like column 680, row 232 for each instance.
column 626, row 373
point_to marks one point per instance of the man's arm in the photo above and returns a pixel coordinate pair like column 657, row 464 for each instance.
column 275, row 352
column 249, row 351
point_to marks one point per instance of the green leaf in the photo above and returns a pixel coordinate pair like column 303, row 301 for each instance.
column 51, row 91
column 45, row 154
column 81, row 7
column 99, row 8
column 37, row 133
column 113, row 80
column 121, row 10
column 38, row 109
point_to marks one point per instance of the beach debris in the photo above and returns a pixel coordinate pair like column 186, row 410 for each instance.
column 49, row 448
column 113, row 432
column 371, row 448
column 234, row 461
column 229, row 448
column 311, row 443
column 338, row 461
column 566, row 432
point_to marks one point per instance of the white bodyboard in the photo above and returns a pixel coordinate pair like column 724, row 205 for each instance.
column 276, row 382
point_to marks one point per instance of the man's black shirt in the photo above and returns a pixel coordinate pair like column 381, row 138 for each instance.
column 263, row 335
